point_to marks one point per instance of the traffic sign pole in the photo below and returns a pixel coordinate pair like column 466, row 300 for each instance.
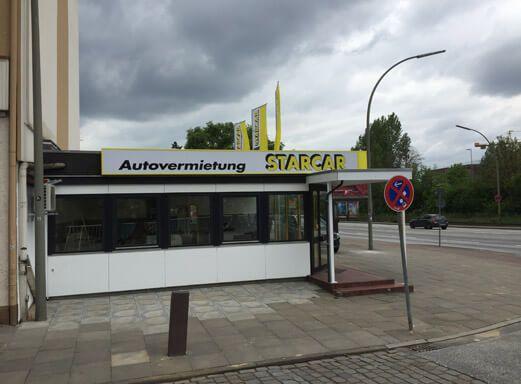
column 399, row 195
column 403, row 249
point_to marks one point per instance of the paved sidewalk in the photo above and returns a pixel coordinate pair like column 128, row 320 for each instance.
column 123, row 337
column 374, row 368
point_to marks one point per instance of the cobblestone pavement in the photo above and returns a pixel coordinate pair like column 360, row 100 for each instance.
column 121, row 337
column 377, row 368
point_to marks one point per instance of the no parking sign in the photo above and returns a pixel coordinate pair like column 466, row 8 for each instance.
column 399, row 193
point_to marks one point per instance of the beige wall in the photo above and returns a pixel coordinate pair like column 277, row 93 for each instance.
column 55, row 113
column 5, row 26
column 5, row 13
column 4, row 188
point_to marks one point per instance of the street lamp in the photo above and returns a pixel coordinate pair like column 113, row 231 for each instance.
column 368, row 141
column 471, row 164
column 498, row 188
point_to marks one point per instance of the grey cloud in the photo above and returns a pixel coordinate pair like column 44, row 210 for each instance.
column 498, row 71
column 139, row 61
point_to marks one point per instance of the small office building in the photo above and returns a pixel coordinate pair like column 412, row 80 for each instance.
column 131, row 219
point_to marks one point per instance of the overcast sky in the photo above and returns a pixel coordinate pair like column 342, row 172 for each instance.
column 151, row 69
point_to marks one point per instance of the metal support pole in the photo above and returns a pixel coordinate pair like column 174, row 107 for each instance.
column 439, row 226
column 498, row 188
column 403, row 249
column 178, row 327
column 330, row 237
column 368, row 140
column 39, row 227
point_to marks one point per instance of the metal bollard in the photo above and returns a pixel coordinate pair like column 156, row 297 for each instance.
column 178, row 327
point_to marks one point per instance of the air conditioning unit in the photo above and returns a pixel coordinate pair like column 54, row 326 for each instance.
column 49, row 198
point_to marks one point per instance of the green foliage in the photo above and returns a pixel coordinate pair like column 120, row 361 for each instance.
column 473, row 194
column 390, row 148
column 215, row 136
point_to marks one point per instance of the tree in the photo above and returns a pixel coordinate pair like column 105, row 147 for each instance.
column 215, row 136
column 212, row 136
column 508, row 151
column 390, row 148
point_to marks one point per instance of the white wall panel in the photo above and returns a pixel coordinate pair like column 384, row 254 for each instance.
column 287, row 260
column 77, row 274
column 189, row 188
column 136, row 270
column 137, row 188
column 247, row 187
column 241, row 262
column 285, row 187
column 187, row 266
column 81, row 189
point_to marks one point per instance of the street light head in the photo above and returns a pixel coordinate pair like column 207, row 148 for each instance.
column 429, row 54
column 462, row 127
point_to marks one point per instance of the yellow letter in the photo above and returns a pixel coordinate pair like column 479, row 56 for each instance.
column 271, row 162
column 304, row 163
column 327, row 163
column 315, row 162
column 340, row 161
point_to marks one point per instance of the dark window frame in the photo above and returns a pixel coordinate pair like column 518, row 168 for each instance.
column 260, row 217
column 166, row 225
column 160, row 227
column 110, row 227
column 51, row 226
column 306, row 211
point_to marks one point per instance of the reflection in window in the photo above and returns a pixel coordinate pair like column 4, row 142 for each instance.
column 239, row 218
column 136, row 221
column 286, row 217
column 79, row 224
column 189, row 220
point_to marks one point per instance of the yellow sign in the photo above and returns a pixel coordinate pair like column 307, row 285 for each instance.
column 259, row 128
column 119, row 161
column 278, row 128
column 240, row 137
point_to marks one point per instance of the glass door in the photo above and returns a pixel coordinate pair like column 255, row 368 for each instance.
column 319, row 226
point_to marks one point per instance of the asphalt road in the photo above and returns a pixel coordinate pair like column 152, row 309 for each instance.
column 495, row 361
column 497, row 239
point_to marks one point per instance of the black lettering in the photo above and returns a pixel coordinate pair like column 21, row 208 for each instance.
column 125, row 165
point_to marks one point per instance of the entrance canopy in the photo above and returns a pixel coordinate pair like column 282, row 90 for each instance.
column 348, row 177
column 358, row 176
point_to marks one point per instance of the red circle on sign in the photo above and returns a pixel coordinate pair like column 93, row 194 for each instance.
column 399, row 193
column 497, row 198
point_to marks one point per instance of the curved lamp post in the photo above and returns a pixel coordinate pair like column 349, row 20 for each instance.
column 368, row 141
column 498, row 188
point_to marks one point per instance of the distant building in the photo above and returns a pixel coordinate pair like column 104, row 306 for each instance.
column 471, row 169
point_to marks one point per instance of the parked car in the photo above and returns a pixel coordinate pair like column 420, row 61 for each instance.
column 430, row 221
column 323, row 234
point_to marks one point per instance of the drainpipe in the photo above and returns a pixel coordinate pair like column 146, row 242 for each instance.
column 12, row 177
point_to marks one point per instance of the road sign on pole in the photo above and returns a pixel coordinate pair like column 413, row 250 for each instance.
column 399, row 195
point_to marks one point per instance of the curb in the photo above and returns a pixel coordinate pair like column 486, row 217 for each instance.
column 253, row 365
column 314, row 356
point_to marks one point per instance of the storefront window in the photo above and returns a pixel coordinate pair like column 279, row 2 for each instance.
column 240, row 218
column 79, row 224
column 189, row 220
column 286, row 217
column 136, row 222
